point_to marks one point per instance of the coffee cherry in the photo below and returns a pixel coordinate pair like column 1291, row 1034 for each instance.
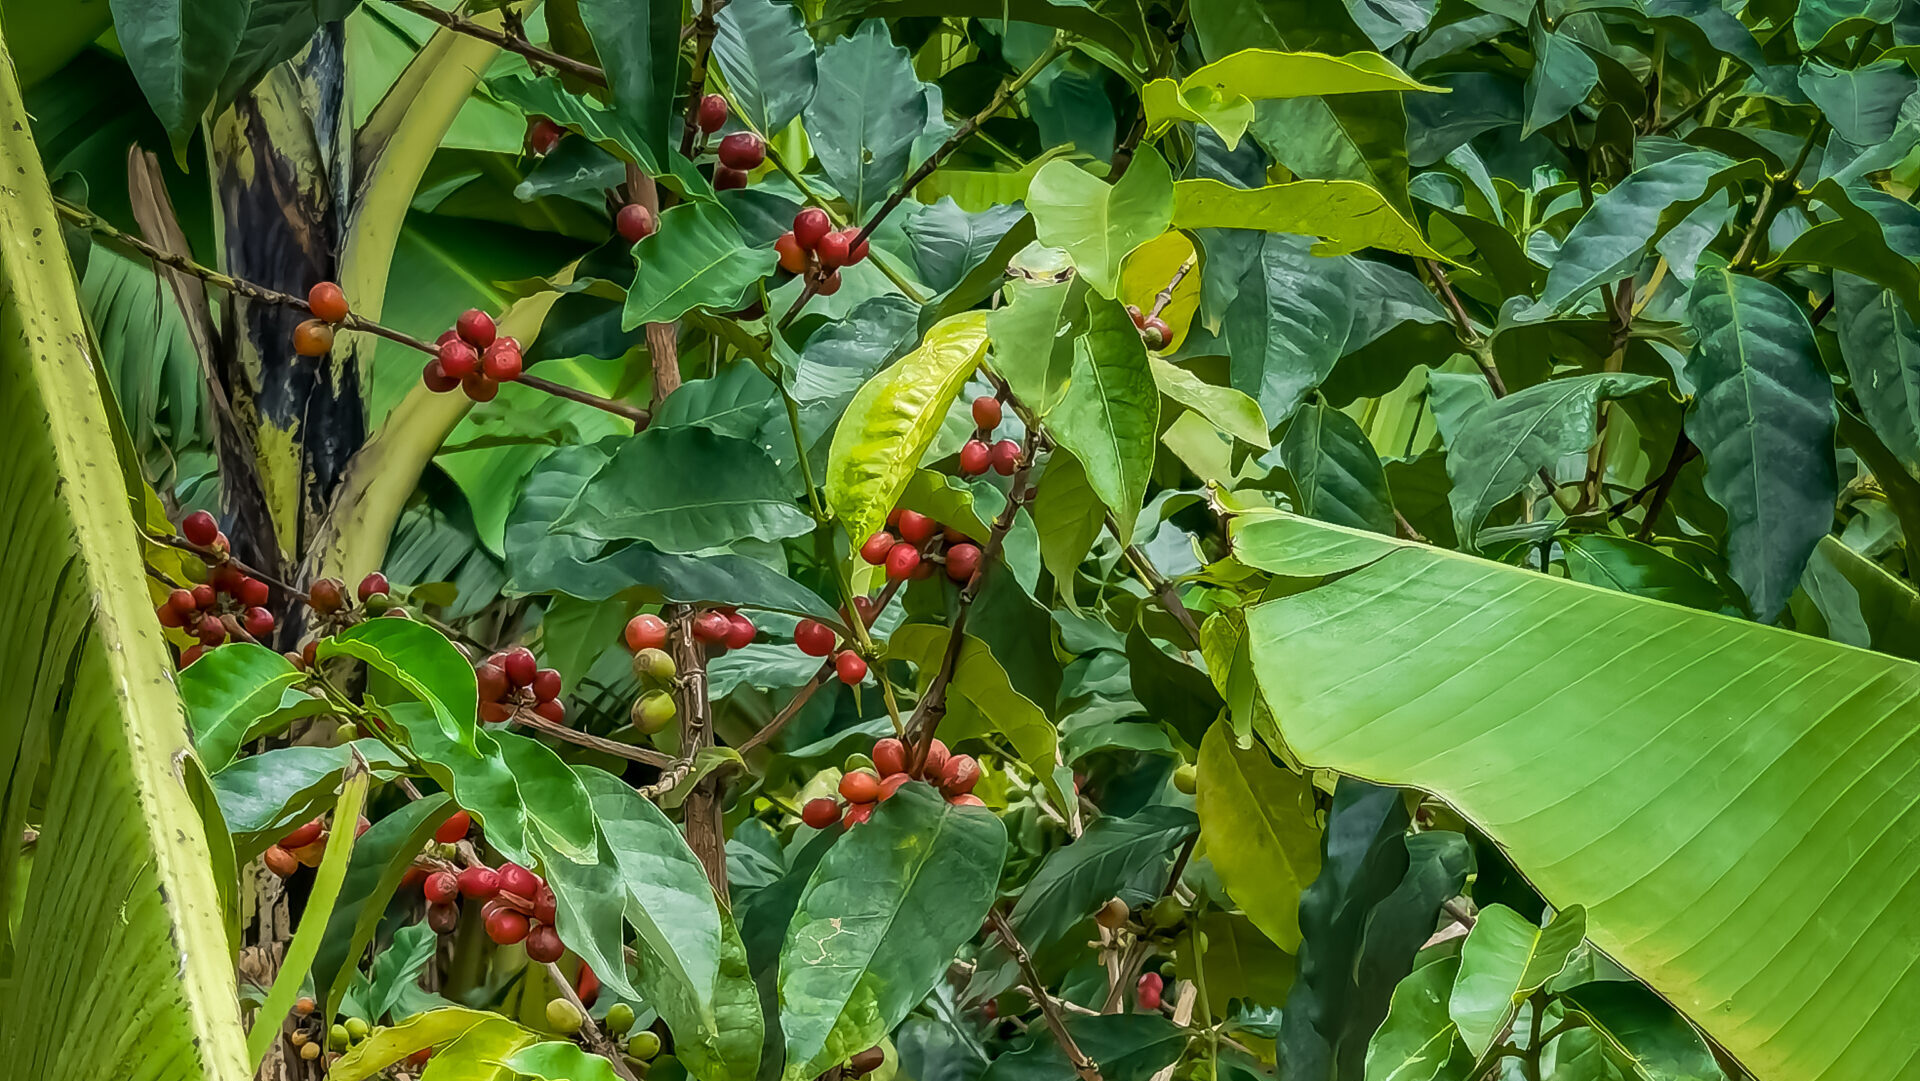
column 917, row 528
column 327, row 302
column 543, row 945
column 852, row 667
column 304, row 834
column 832, row 250
column 441, row 887
column 987, row 412
column 200, row 528
column 1186, row 779
column 1113, row 915
column 492, row 681
column 373, row 583
column 1156, row 333
column 643, row 1045
column 1147, row 991
column 877, row 547
column 435, row 378
column 544, row 904
column 543, row 135
column 857, row 814
column 479, row 388
column 419, row 1058
column 814, row 638
column 820, row 813
column 168, row 615
column 902, row 562
column 975, row 458
column 496, row 712
column 962, row 561
column 890, row 756
column 866, row 1061
column 740, row 631
column 502, row 360
column 587, row 986
column 519, row 882
column 742, row 150
column 308, row 653
column 546, row 685
column 936, row 763
column 552, row 710
column 280, row 861
column 711, row 626
column 444, row 919
column 646, row 632
column 635, row 223
column 454, row 828
column 1006, row 457
column 653, row 711
column 654, row 664
column 828, row 285
column 459, row 359
column 325, row 596
column 479, row 883
column 192, row 654
column 960, row 775
column 303, row 1006
column 310, row 1051
column 312, row 338
column 181, row 603
column 855, row 251
column 966, row 799
column 563, row 1017
column 811, row 226
column 506, row 927
column 225, row 578
column 712, row 114
column 258, row 623
column 859, row 786
column 519, row 665
column 891, row 784
column 725, row 179
column 1139, row 317
column 211, row 631
column 252, row 591
column 792, row 259
column 476, row 328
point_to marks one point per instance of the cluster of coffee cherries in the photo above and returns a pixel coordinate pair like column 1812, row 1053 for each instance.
column 864, row 789
column 719, row 628
column 912, row 544
column 512, row 680
column 229, row 604
column 813, row 248
column 1153, row 330
column 314, row 337
column 1150, row 990
column 327, row 597
column 816, row 639
column 976, row 457
column 653, row 666
column 739, row 153
column 639, row 1048
column 474, row 357
column 304, row 846
column 310, row 1034
column 517, row 906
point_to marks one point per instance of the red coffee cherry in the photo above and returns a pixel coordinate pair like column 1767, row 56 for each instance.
column 889, row 756
column 506, row 927
column 891, row 784
column 543, row 945
column 492, row 681
column 1006, row 457
column 312, row 338
column 876, row 548
column 1147, row 991
column 519, row 881
column 441, row 887
column 851, row 667
column 725, row 179
column 966, row 799
column 858, row 813
column 181, row 602
column 587, row 985
column 810, row 226
column 712, row 114
column 856, row 248
column 435, row 378
column 552, row 710
column 519, row 665
column 987, row 412
column 544, row 904
column 960, row 775
column 280, row 861
column 502, row 361
column 443, row 919
column 543, row 135
column 962, row 561
column 373, row 583
column 828, row 285
column 459, row 359
column 936, row 764
column 740, row 631
column 635, row 223
column 205, row 597
column 303, row 835
column 792, row 259
column 200, row 528
column 646, row 632
column 327, row 301
column 252, row 591
column 496, row 712
column 814, row 638
column 917, row 528
column 832, row 250
column 1139, row 317
column 860, row 787
column 1156, row 334
column 902, row 562
column 480, row 883
column 743, row 150
column 326, row 596
column 975, row 458
column 546, row 685
column 212, row 632
column 454, row 828
column 711, row 626
column 479, row 387
column 258, row 623
column 192, row 654
column 476, row 328
column 820, row 813
column 168, row 615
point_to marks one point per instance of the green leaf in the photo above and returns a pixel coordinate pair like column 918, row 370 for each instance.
column 480, row 1053
column 763, row 48
column 1067, row 515
column 1643, row 1034
column 717, row 1043
column 1505, row 959
column 1221, row 94
column 686, row 490
column 1863, row 104
column 276, row 31
column 227, row 692
column 1336, row 472
column 1257, row 821
column 264, row 796
column 1345, row 214
column 864, row 117
column 561, row 1060
column 1881, row 346
column 981, row 699
column 1294, row 547
column 480, row 779
column 1497, row 446
column 1366, row 676
column 1285, row 332
column 1858, row 602
column 892, row 420
column 1630, row 566
column 1097, row 223
column 609, row 129
column 398, row 966
column 696, row 259
column 1418, row 1036
column 1225, row 408
column 1113, row 29
column 381, row 857
column 1110, row 410
column 420, row 660
column 638, row 44
column 553, row 795
column 1562, row 77
column 387, row 1045
column 178, row 50
column 1105, row 862
column 887, row 909
column 1815, row 22
column 1126, row 1047
column 1034, row 337
column 1763, row 420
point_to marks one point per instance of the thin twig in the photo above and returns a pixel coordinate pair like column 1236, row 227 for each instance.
column 772, row 728
column 1683, row 452
column 1037, row 988
column 597, row 1041
column 704, row 29
column 512, row 43
column 588, row 740
column 640, row 417
column 1165, row 296
column 216, row 556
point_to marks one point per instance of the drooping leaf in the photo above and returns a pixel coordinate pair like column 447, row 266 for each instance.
column 1097, row 223
column 480, row 1053
column 1110, row 410
column 981, row 700
column 389, row 1044
column 1286, row 331
column 1562, row 77
column 1642, row 1034
column 561, row 1060
column 1815, row 22
column 264, row 796
column 1763, row 419
column 696, row 259
column 179, row 50
column 1257, row 822
column 1336, row 472
column 1221, row 94
column 949, row 242
column 1034, row 336
column 1225, row 408
column 1632, row 566
column 1418, row 1036
column 638, row 44
column 1066, row 514
column 763, row 47
column 380, row 858
column 1862, row 104
column 1505, row 959
column 883, row 916
column 420, row 660
column 1345, row 214
column 864, row 117
column 686, row 490
column 227, row 692
column 1074, row 881
column 1881, row 346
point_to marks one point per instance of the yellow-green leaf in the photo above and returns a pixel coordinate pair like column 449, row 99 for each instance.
column 981, row 699
column 1257, row 822
column 392, row 1043
column 1097, row 223
column 1345, row 214
column 1221, row 94
column 481, row 1053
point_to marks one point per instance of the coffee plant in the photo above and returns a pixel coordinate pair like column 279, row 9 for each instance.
column 1112, row 540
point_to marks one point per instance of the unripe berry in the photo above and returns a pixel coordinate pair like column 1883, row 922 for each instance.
column 810, row 226
column 479, row 388
column 814, row 638
column 1156, row 334
column 506, row 927
column 327, row 302
column 859, row 787
column 543, row 945
column 441, row 887
column 1147, row 991
column 875, row 550
column 832, row 250
column 434, row 377
column 519, row 665
column 620, row 1019
column 902, row 562
column 962, row 561
column 476, row 328
column 280, row 861
column 711, row 626
column 646, row 632
column 725, row 179
column 502, row 361
column 258, row 623
column 792, row 259
column 312, row 338
column 740, row 631
column 454, row 828
column 200, row 528
column 459, row 359
column 1006, row 457
column 480, row 883
column 654, row 664
column 1186, row 779
column 635, row 223
column 653, row 712
column 563, row 1017
column 1113, row 915
column 551, row 710
column 960, row 775
column 373, row 583
column 643, row 1045
column 820, row 813
column 712, row 114
column 443, row 918
column 917, row 528
column 987, row 412
column 890, row 756
column 743, row 150
column 546, row 685
column 851, row 667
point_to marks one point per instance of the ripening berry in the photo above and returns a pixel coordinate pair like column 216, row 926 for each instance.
column 192, row 654
column 889, row 756
column 858, row 813
column 725, row 179
column 478, row 387
column 987, row 412
column 635, row 223
column 543, row 945
column 303, row 1006
column 1113, row 915
column 712, row 114
column 327, row 302
column 212, row 632
column 308, row 653
column 476, row 328
column 832, row 250
column 506, row 926
column 496, row 712
column 551, row 710
column 520, row 882
column 433, row 375
column 711, row 626
column 902, row 562
column 654, row 664
column 312, row 338
column 459, row 359
column 373, row 583
column 479, row 883
column 326, row 596
column 792, row 259
column 519, row 665
column 653, row 711
column 441, row 887
column 851, row 667
column 936, row 763
column 743, row 150
column 828, row 285
column 1147, row 992
column 546, row 685
column 866, row 1062
column 252, row 591
column 856, row 248
column 502, row 360
column 962, row 561
column 587, row 985
column 200, row 528
column 492, row 681
column 258, row 623
column 454, row 828
column 170, row 616
column 304, row 834
column 444, row 919
column 820, row 813
column 740, row 631
column 1006, row 457
column 544, row 903
column 917, row 528
column 810, row 226
column 1156, row 333
column 543, row 135
column 280, row 861
column 891, row 784
column 646, row 632
column 814, row 638
column 181, row 602
column 876, row 548
column 860, row 786
column 975, row 458
column 960, row 775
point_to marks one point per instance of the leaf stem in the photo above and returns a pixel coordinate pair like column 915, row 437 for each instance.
column 513, row 43
column 1037, row 989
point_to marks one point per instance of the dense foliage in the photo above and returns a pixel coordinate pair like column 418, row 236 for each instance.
column 1125, row 539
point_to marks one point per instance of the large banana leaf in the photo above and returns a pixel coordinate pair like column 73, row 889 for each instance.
column 120, row 964
column 1734, row 804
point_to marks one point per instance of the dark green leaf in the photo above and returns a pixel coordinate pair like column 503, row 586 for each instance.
column 1630, row 566
column 1110, row 410
column 1863, row 104
column 1126, row 1047
column 227, row 692
column 179, row 50
column 264, row 796
column 1112, row 28
column 1074, row 881
column 420, row 660
column 1642, row 1033
column 638, row 42
column 1336, row 472
column 589, row 907
column 1286, row 333
column 1815, row 22
column 862, row 120
column 697, row 259
column 480, row 779
column 1881, row 345
column 1562, row 77
column 686, row 490
column 380, row 858
column 948, row 242
column 768, row 59
column 1389, row 22
column 276, row 31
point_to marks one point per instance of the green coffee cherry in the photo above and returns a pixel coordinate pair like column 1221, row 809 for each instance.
column 337, row 1038
column 377, row 603
column 1166, row 913
column 1186, row 778
column 654, row 711
column 563, row 1017
column 643, row 1045
column 348, row 732
column 357, row 1029
column 654, row 664
column 858, row 761
column 619, row 1018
